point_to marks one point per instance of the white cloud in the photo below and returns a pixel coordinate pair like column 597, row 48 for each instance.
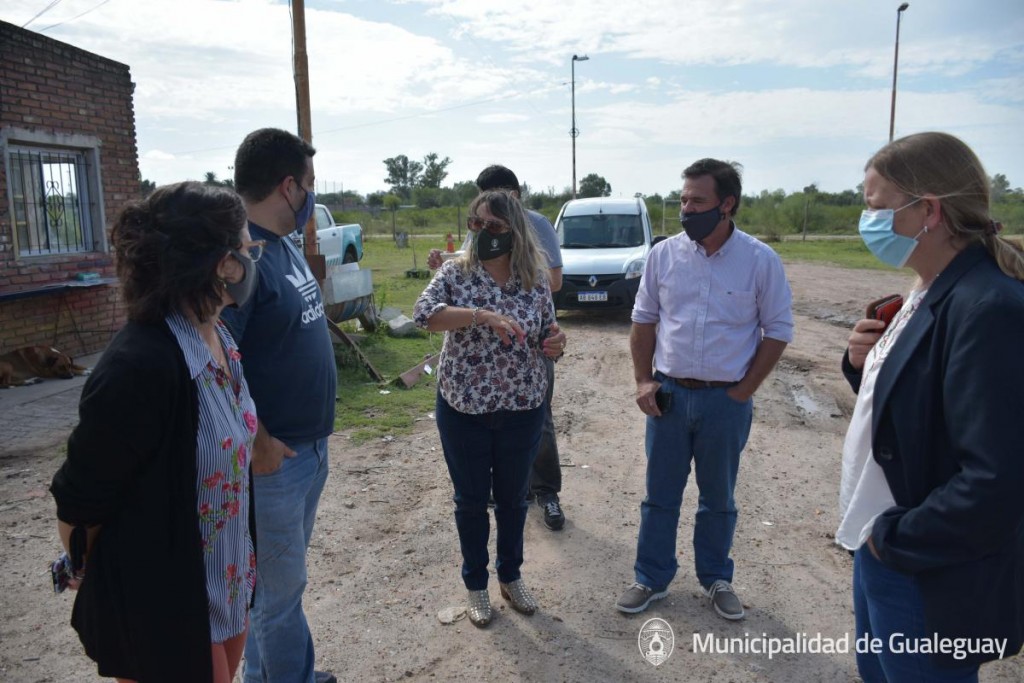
column 806, row 98
column 502, row 118
column 158, row 155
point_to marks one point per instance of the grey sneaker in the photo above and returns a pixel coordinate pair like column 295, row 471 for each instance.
column 637, row 597
column 724, row 600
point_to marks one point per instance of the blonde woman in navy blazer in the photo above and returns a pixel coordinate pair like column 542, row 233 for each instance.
column 933, row 473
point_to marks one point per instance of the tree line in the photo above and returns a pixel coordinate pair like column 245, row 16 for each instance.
column 417, row 188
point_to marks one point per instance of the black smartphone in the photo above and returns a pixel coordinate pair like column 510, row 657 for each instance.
column 61, row 573
column 663, row 399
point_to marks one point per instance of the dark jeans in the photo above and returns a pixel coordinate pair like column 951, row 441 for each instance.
column 489, row 453
column 546, row 477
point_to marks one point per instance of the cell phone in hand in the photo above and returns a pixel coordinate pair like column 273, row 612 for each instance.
column 61, row 573
column 884, row 309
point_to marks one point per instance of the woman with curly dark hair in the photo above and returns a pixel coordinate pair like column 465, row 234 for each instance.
column 153, row 498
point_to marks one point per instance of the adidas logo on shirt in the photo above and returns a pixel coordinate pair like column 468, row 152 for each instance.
column 304, row 282
column 302, row 279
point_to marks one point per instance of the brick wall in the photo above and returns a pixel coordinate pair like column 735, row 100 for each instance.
column 51, row 88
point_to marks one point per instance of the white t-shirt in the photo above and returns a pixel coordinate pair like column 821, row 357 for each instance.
column 863, row 492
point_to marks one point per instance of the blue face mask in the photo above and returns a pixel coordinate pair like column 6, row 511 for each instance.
column 888, row 247
column 305, row 211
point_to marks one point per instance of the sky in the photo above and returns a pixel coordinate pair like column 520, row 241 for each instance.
column 798, row 91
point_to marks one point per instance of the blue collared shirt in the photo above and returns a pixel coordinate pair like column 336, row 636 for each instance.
column 713, row 311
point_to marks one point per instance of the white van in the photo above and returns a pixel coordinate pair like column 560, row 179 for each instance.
column 604, row 244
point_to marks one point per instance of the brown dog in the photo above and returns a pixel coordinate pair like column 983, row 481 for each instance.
column 30, row 363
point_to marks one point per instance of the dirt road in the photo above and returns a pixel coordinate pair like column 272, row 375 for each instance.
column 385, row 561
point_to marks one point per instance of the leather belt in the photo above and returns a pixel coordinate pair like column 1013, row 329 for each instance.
column 688, row 383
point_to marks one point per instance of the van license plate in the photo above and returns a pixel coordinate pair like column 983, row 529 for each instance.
column 592, row 296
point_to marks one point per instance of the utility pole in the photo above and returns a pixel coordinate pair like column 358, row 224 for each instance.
column 895, row 64
column 300, row 69
column 574, row 131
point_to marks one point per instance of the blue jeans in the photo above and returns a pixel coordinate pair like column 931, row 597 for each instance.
column 279, row 648
column 491, row 452
column 887, row 602
column 711, row 429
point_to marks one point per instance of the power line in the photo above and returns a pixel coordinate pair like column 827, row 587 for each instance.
column 378, row 122
column 96, row 7
column 41, row 12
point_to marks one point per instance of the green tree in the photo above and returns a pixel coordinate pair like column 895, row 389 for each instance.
column 146, row 187
column 594, row 185
column 434, row 171
column 403, row 175
column 1000, row 186
column 210, row 178
column 426, row 197
column 464, row 192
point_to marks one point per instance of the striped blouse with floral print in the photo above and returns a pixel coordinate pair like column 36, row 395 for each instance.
column 227, row 428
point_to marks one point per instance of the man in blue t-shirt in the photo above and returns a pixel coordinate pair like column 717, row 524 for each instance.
column 288, row 360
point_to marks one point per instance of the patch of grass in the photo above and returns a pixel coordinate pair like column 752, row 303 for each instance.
column 362, row 407
column 391, row 287
column 848, row 253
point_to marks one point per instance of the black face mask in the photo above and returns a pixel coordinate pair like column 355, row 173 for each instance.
column 490, row 246
column 701, row 224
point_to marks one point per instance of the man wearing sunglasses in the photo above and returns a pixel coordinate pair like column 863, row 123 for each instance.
column 546, row 479
column 288, row 360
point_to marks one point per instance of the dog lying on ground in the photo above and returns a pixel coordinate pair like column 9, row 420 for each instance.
column 29, row 364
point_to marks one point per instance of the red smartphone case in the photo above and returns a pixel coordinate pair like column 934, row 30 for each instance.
column 885, row 309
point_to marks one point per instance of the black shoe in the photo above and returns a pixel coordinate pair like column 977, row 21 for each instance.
column 324, row 677
column 554, row 518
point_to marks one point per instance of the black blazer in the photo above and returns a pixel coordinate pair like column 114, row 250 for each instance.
column 948, row 431
column 141, row 611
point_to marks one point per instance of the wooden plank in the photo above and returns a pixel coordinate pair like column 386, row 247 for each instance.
column 411, row 376
column 340, row 334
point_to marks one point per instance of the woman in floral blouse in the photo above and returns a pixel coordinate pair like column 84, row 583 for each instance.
column 494, row 304
column 153, row 499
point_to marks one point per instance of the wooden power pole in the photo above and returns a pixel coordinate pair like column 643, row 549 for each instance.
column 300, row 68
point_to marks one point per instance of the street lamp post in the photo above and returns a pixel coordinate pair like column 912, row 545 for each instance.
column 895, row 63
column 574, row 132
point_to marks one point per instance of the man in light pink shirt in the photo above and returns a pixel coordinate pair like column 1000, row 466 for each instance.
column 711, row 319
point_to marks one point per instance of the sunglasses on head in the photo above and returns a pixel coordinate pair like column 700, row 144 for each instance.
column 475, row 224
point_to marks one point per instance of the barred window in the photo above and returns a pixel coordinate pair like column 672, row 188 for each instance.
column 53, row 197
